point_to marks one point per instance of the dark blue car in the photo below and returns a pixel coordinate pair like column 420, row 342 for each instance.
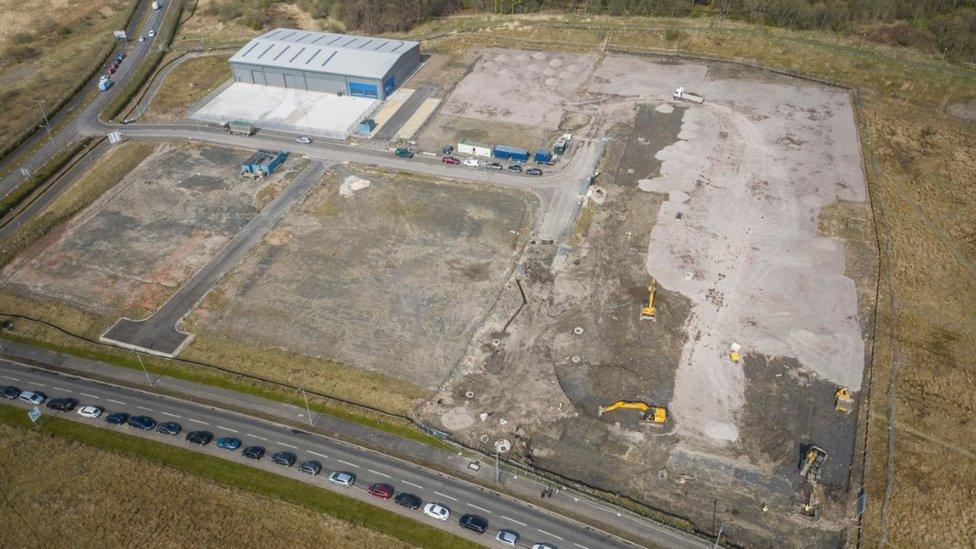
column 253, row 452
column 118, row 418
column 169, row 428
column 229, row 443
column 143, row 423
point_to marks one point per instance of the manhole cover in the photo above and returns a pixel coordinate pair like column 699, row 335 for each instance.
column 502, row 446
column 578, row 330
column 483, row 438
column 576, row 359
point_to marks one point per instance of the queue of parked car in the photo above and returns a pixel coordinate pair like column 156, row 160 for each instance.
column 346, row 479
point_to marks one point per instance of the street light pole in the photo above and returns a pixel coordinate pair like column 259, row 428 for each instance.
column 308, row 409
column 47, row 123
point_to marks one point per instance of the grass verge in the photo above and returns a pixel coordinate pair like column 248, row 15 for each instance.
column 14, row 198
column 190, row 81
column 234, row 475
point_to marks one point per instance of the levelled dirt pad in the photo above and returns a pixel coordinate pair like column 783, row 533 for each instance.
column 382, row 272
column 140, row 241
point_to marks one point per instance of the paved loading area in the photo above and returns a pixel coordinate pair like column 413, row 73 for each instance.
column 314, row 113
column 137, row 244
column 379, row 271
column 159, row 334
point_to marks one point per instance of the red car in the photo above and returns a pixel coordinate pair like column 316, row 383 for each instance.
column 110, row 71
column 381, row 490
column 451, row 160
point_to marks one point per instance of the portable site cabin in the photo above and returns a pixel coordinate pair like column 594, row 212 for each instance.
column 562, row 143
column 543, row 156
column 514, row 153
column 476, row 149
column 263, row 163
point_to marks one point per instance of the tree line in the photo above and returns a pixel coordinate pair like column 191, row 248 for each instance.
column 949, row 25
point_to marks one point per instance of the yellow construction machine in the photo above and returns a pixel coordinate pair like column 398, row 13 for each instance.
column 843, row 402
column 657, row 415
column 649, row 311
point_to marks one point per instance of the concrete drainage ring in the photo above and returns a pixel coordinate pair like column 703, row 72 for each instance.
column 469, row 395
column 496, row 342
column 502, row 446
column 578, row 330
column 576, row 359
column 483, row 438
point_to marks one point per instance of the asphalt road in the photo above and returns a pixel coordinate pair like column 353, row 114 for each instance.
column 158, row 334
column 136, row 52
column 533, row 524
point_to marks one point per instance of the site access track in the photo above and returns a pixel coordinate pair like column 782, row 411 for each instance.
column 278, row 428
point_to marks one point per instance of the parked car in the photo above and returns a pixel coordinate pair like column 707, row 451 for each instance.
column 474, row 523
column 494, row 166
column 542, row 546
column 515, row 168
column 228, row 443
column 533, row 171
column 381, row 490
column 407, row 500
column 91, row 412
column 311, row 467
column 120, row 57
column 36, row 399
column 471, row 162
column 403, row 152
column 151, row 33
column 452, row 160
column 110, row 71
column 143, row 423
column 342, row 478
column 199, row 437
column 305, row 140
column 284, row 458
column 10, row 392
column 253, row 452
column 437, row 511
column 507, row 537
column 62, row 404
column 170, row 428
column 447, row 149
column 118, row 418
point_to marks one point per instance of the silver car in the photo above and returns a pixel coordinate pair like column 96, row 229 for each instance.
column 342, row 478
column 507, row 537
column 34, row 398
column 305, row 140
column 90, row 412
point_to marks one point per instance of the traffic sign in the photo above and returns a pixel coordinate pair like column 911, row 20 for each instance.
column 34, row 414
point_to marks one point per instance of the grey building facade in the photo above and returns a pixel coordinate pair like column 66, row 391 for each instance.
column 360, row 66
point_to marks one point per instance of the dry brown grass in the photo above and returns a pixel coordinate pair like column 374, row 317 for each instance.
column 45, row 48
column 189, row 82
column 921, row 171
column 82, row 496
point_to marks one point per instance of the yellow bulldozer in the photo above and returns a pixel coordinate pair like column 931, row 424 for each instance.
column 657, row 415
column 648, row 312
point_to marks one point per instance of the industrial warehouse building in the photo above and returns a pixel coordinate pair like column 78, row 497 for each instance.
column 360, row 66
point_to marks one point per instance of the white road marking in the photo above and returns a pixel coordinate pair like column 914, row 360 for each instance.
column 515, row 521
column 169, row 414
column 286, row 445
column 13, row 378
column 412, row 484
column 446, row 496
column 581, row 546
column 36, row 383
column 228, row 429
column 479, row 508
column 550, row 534
column 255, row 436
column 318, row 454
column 144, row 408
column 61, row 389
column 347, row 463
column 89, row 396
column 115, row 401
column 379, row 473
column 198, row 421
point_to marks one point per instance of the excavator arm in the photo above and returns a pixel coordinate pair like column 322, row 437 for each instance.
column 654, row 414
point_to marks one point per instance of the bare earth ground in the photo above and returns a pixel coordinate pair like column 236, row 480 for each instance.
column 732, row 229
column 86, row 497
column 383, row 272
column 139, row 242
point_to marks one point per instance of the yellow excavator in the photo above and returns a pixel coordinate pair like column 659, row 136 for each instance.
column 648, row 312
column 657, row 415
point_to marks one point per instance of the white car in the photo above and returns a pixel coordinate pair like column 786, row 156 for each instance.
column 305, row 140
column 151, row 33
column 507, row 537
column 437, row 511
column 34, row 398
column 472, row 162
column 542, row 546
column 91, row 412
column 342, row 478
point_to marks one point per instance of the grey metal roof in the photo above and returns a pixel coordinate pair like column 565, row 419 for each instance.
column 346, row 54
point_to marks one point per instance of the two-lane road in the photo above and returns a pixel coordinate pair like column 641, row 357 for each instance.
column 534, row 524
